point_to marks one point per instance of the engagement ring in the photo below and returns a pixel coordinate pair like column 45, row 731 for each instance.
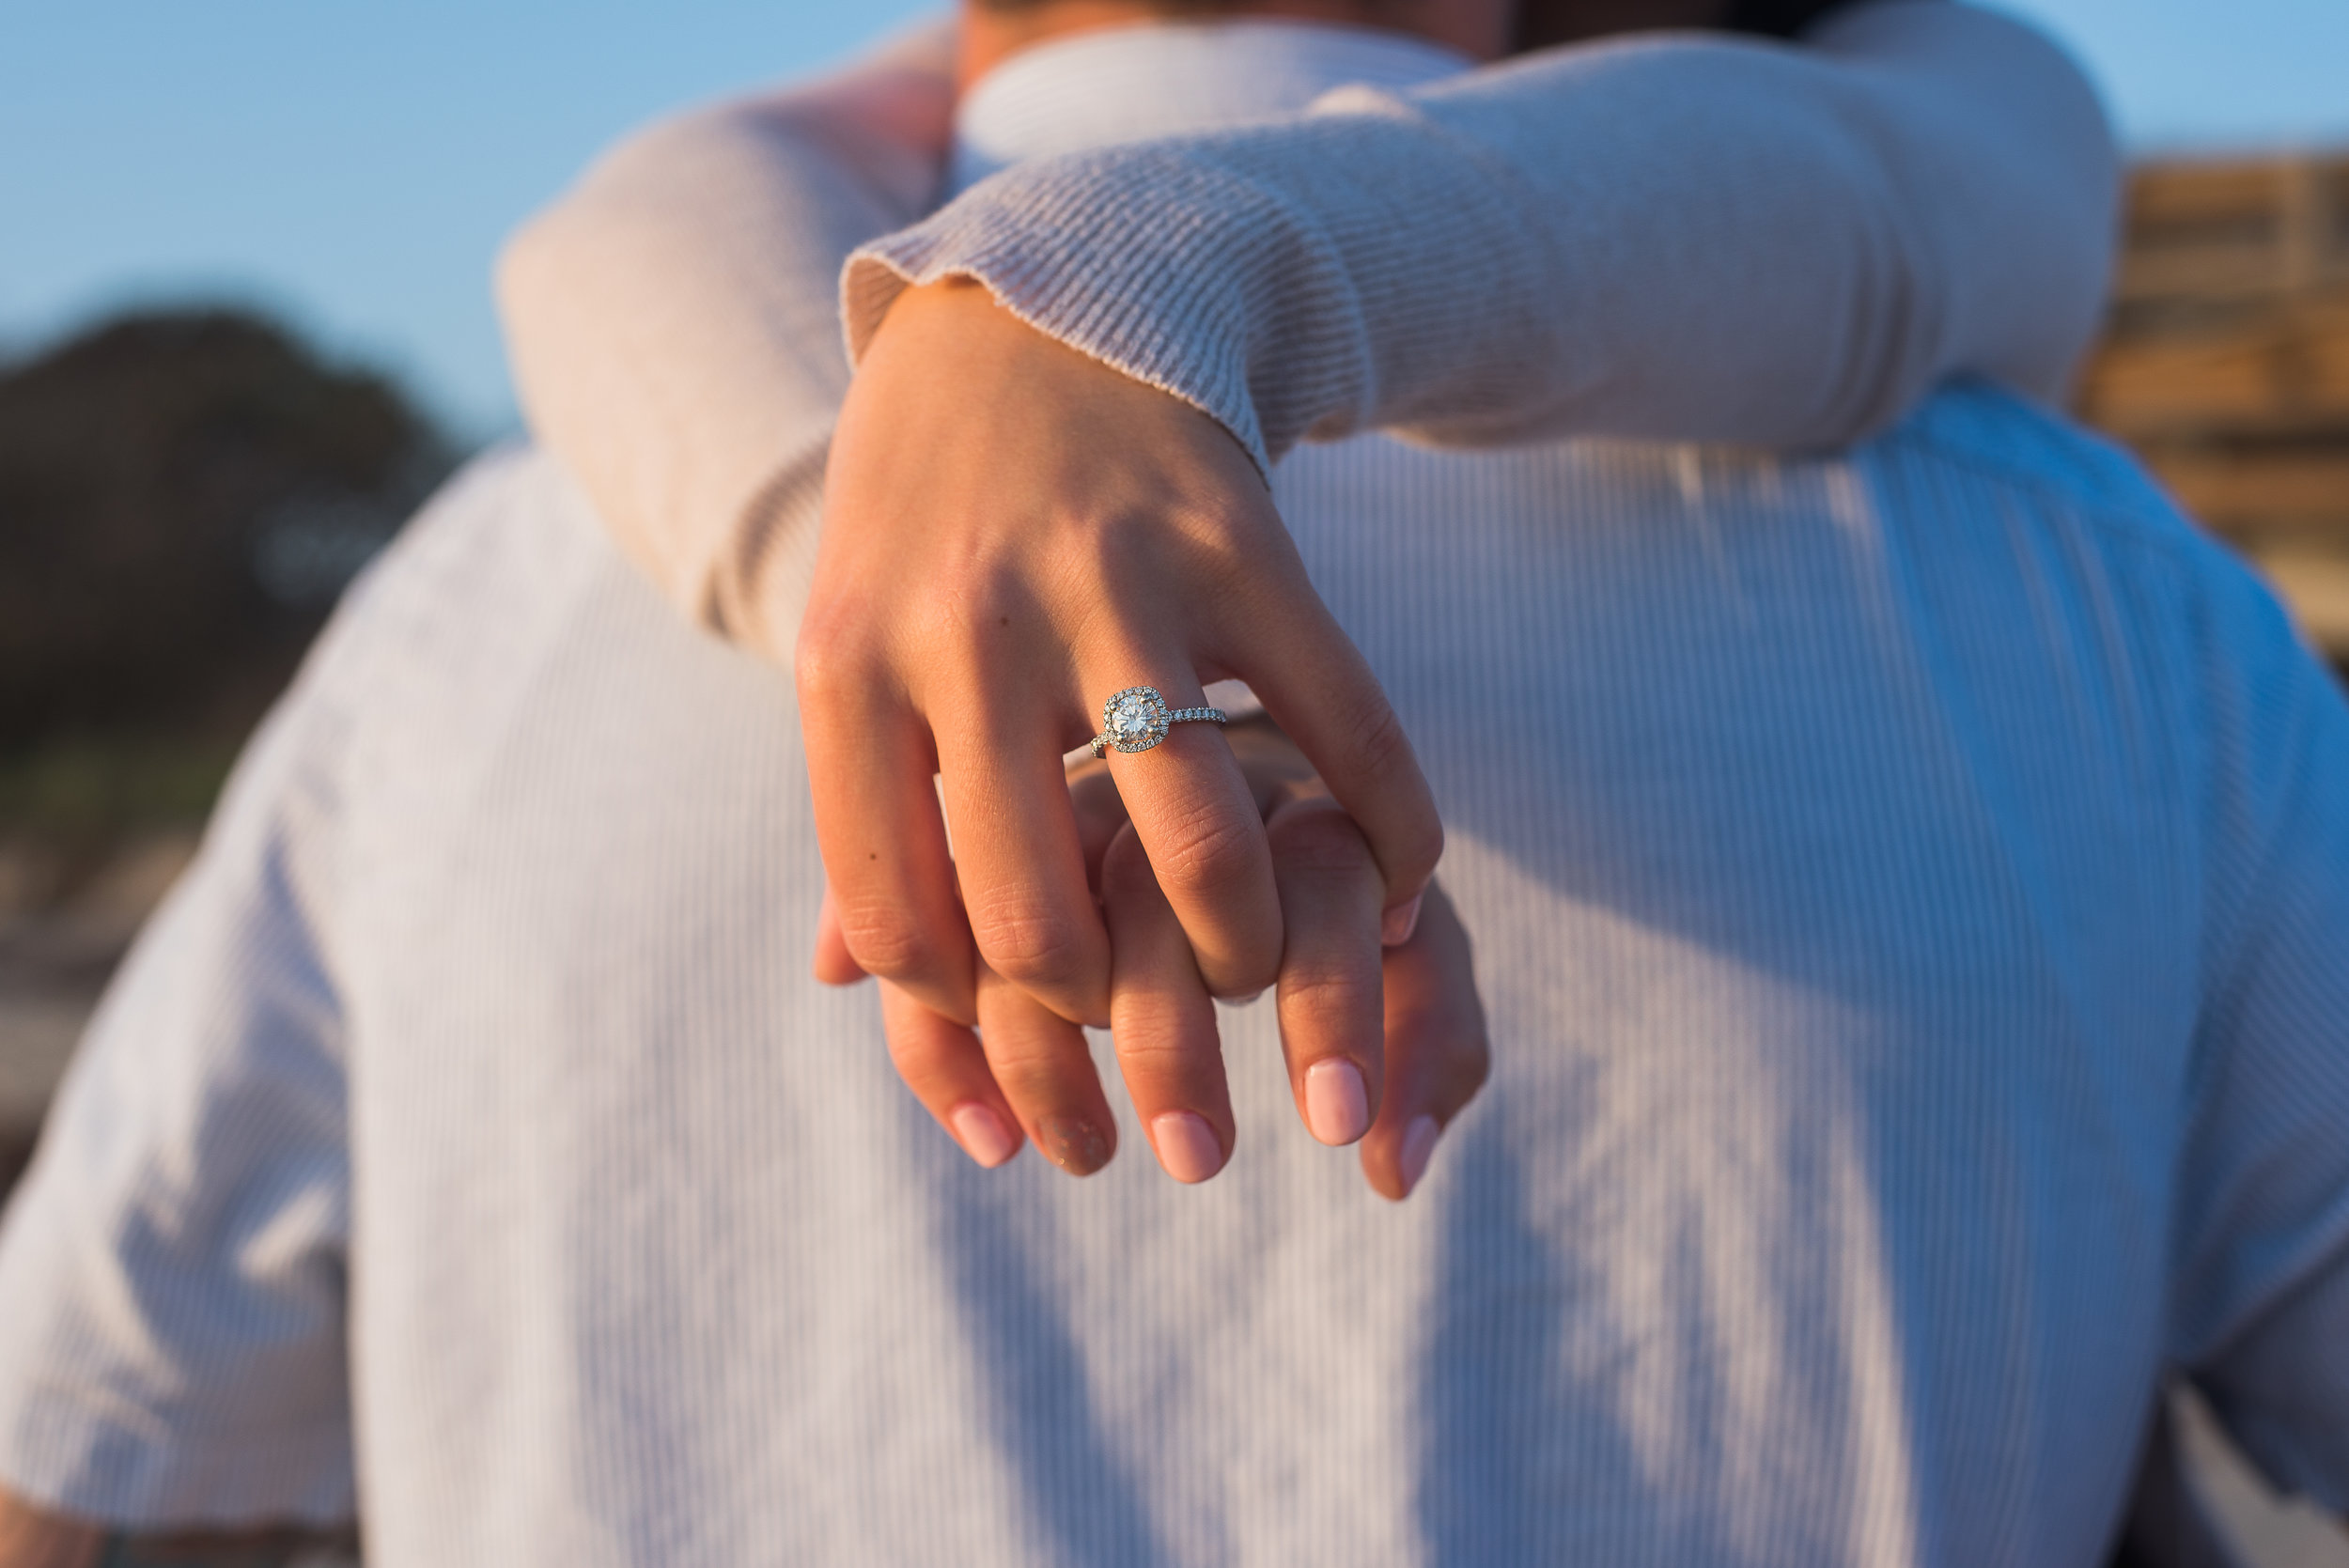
column 1137, row 719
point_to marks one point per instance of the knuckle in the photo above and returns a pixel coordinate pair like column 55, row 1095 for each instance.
column 829, row 669
column 1206, row 852
column 1329, row 993
column 1248, row 973
column 1031, row 947
column 1036, row 1076
column 914, row 1052
column 884, row 943
column 1318, row 837
column 1372, row 735
column 1158, row 1047
column 1128, row 878
column 1026, row 1063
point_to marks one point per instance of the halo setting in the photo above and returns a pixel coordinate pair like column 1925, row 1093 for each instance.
column 1136, row 719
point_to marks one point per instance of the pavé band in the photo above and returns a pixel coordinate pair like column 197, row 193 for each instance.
column 1137, row 719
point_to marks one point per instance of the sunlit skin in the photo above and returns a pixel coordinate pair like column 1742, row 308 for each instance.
column 33, row 1538
column 1410, row 1010
column 1072, row 529
column 1076, row 532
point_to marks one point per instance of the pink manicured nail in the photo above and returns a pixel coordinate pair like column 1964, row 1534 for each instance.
column 983, row 1136
column 1419, row 1144
column 1186, row 1145
column 1337, row 1108
column 1400, row 922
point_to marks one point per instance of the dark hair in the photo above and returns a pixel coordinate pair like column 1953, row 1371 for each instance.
column 1542, row 22
column 1167, row 7
column 1780, row 19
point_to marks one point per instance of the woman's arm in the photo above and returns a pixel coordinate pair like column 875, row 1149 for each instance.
column 1682, row 237
column 1676, row 236
column 674, row 320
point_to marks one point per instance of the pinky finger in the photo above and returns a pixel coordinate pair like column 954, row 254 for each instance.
column 1438, row 1054
column 942, row 1062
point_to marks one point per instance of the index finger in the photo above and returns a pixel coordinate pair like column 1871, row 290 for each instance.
column 884, row 843
column 1162, row 1022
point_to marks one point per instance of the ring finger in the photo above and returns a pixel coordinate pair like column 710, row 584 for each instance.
column 1198, row 820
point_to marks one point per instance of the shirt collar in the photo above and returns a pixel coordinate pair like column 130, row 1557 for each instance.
column 1157, row 79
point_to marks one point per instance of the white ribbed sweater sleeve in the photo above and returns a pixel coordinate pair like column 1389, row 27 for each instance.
column 672, row 321
column 1681, row 237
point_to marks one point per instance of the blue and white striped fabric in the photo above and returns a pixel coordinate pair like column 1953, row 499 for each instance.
column 1912, row 897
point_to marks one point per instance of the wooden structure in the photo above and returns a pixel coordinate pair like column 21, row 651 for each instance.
column 2227, row 364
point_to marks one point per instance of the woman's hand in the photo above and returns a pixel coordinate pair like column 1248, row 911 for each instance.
column 1384, row 1044
column 33, row 1537
column 1012, row 533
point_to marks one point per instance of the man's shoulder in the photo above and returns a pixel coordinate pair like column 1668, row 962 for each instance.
column 2008, row 444
column 2142, row 567
column 503, row 528
column 501, row 549
column 480, row 588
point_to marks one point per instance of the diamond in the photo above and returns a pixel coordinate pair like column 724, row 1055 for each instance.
column 1135, row 720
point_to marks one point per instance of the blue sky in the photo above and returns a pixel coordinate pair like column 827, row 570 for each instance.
column 354, row 165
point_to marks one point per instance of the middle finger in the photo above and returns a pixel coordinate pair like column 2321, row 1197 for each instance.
column 1017, row 856
column 1162, row 1021
column 1331, row 998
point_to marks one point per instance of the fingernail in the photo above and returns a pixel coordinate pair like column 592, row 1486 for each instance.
column 1073, row 1144
column 1400, row 922
column 1186, row 1145
column 1337, row 1108
column 982, row 1133
column 1419, row 1144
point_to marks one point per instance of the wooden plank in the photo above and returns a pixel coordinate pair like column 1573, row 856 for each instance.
column 2289, row 373
column 2198, row 230
column 2194, row 192
column 2315, row 588
column 2235, row 268
column 2227, row 364
column 2294, row 492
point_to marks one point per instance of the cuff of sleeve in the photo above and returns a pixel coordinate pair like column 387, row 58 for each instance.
column 1302, row 280
column 1175, row 292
